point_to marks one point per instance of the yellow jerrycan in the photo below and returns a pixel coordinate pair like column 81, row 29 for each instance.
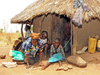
column 92, row 44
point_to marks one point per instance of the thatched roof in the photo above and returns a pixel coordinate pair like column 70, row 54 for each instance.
column 61, row 7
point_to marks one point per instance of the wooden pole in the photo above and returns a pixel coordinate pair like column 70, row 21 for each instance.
column 41, row 22
column 51, row 26
column 72, row 37
column 75, row 31
column 22, row 32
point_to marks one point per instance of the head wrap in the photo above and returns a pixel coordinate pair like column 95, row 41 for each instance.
column 35, row 35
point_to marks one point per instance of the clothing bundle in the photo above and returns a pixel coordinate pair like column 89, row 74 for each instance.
column 81, row 7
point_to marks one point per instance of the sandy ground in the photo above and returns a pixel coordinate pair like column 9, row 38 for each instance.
column 93, row 67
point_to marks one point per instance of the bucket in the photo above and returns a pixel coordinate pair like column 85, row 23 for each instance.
column 92, row 44
column 68, row 46
column 98, row 45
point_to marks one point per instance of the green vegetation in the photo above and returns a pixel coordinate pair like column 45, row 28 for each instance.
column 32, row 28
column 17, row 31
column 1, row 30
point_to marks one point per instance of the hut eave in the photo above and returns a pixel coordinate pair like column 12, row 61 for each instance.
column 65, row 7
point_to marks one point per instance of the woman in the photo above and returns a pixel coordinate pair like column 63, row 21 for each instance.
column 32, row 47
column 56, row 54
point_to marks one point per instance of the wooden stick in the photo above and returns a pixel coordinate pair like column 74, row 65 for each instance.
column 41, row 23
column 75, row 29
column 51, row 26
column 22, row 32
column 72, row 37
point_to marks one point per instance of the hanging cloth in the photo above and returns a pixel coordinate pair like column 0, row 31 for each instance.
column 77, row 18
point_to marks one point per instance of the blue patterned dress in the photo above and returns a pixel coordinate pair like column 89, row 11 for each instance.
column 30, row 49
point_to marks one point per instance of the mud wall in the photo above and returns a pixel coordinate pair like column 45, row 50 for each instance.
column 54, row 25
column 88, row 29
column 45, row 25
column 58, row 28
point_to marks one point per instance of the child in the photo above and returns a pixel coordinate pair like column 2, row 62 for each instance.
column 45, row 41
column 56, row 54
column 28, row 32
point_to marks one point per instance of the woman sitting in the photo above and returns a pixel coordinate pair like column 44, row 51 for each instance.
column 32, row 47
column 56, row 54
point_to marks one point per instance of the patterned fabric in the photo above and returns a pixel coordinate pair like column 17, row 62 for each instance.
column 44, row 41
column 77, row 18
column 58, row 50
column 17, row 45
column 30, row 49
column 78, row 3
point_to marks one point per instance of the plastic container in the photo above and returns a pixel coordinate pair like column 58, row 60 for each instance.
column 98, row 45
column 92, row 45
column 68, row 47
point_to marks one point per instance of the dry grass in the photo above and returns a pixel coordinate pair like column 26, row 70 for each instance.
column 8, row 38
column 61, row 7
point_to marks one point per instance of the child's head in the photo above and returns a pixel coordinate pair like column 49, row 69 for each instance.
column 27, row 27
column 57, row 42
column 44, row 34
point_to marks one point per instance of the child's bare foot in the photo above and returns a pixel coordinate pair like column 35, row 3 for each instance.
column 43, row 68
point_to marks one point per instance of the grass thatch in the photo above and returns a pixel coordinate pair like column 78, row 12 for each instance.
column 61, row 7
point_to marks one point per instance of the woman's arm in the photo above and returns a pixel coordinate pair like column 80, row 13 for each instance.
column 40, row 52
column 27, row 60
column 27, row 55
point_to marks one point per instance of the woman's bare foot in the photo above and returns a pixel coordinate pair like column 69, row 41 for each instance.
column 41, row 64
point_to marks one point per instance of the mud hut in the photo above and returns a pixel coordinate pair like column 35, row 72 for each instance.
column 51, row 15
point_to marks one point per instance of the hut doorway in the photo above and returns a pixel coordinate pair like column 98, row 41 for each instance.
column 67, row 33
column 57, row 26
column 61, row 28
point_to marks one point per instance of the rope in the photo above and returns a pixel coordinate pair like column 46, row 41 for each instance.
column 69, row 39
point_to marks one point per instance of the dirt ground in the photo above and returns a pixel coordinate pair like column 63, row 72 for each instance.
column 93, row 67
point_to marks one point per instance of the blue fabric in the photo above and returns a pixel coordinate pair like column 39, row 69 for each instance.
column 78, row 3
column 56, row 57
column 17, row 55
